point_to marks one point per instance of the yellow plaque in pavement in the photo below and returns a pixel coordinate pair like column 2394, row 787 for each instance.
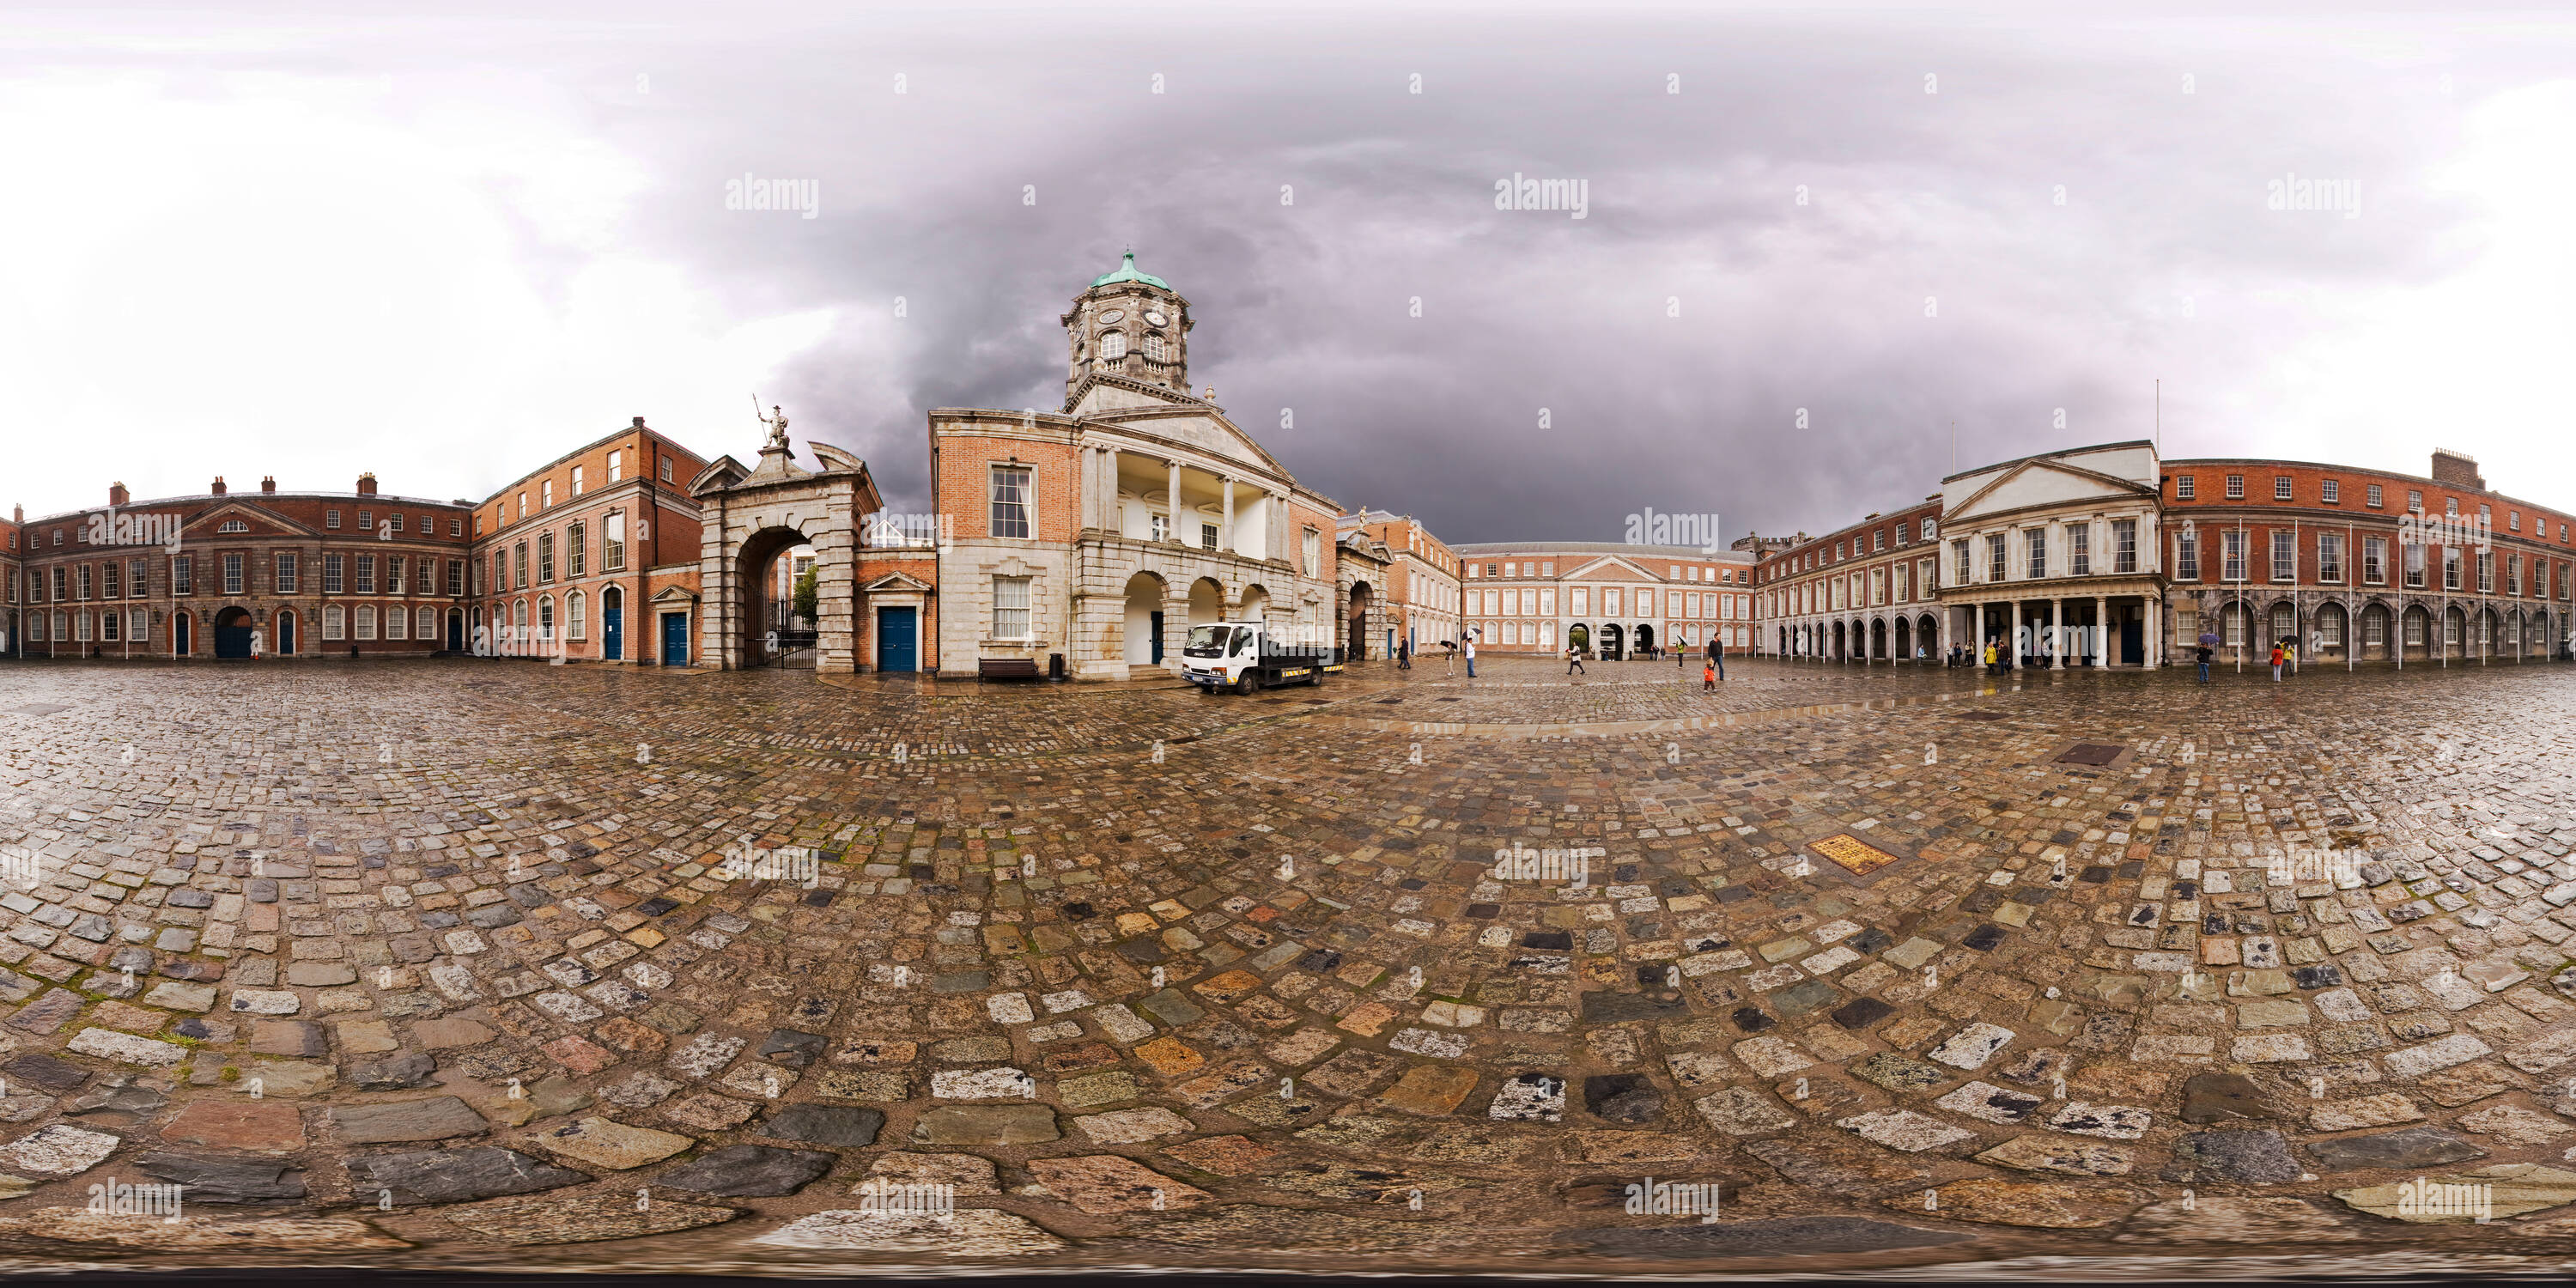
column 1854, row 855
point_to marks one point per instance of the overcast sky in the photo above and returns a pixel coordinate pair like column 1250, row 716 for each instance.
column 310, row 240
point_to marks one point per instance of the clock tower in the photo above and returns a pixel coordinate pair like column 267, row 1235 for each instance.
column 1129, row 324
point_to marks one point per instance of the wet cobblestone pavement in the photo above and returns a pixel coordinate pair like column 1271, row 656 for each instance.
column 445, row 963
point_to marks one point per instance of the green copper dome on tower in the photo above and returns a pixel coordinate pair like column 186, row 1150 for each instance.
column 1127, row 273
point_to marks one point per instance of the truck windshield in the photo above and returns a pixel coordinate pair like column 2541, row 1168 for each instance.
column 1206, row 641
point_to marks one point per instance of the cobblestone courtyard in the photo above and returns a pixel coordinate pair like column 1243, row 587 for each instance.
column 444, row 964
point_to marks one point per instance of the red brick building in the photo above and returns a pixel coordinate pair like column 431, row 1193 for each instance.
column 1611, row 599
column 292, row 574
column 2363, row 565
column 10, row 581
column 1421, row 581
column 592, row 554
column 1866, row 592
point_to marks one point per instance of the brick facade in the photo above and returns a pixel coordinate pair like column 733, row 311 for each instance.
column 573, row 555
column 1865, row 591
column 313, row 574
column 1614, row 599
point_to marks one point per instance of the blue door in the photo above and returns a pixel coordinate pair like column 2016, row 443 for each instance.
column 613, row 646
column 898, row 643
column 675, row 639
column 1157, row 659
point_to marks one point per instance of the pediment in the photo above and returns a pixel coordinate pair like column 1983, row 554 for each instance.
column 896, row 582
column 1194, row 424
column 1611, row 568
column 722, row 473
column 2040, row 483
column 834, row 458
column 262, row 523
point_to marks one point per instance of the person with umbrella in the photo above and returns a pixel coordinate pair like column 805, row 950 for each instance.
column 2208, row 649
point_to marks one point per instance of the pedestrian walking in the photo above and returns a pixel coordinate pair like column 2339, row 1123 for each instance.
column 1449, row 657
column 1717, row 656
column 1574, row 660
column 2205, row 653
column 1708, row 676
column 1404, row 655
column 2277, row 651
column 1991, row 669
column 1470, row 642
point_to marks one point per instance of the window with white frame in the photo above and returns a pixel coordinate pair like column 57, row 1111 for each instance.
column 366, row 621
column 1011, row 608
column 334, row 622
column 2124, row 545
column 1011, row 485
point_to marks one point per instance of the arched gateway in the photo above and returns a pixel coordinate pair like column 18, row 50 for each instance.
column 749, row 517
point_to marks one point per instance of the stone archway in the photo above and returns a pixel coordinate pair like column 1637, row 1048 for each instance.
column 754, row 562
column 748, row 517
column 1207, row 601
column 1143, row 642
column 1355, row 646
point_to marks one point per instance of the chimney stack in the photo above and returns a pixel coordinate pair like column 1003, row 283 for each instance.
column 268, row 485
column 367, row 484
column 116, row 494
column 219, row 485
column 639, row 423
column 2459, row 469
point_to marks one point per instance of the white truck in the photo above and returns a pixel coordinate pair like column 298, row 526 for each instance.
column 1243, row 657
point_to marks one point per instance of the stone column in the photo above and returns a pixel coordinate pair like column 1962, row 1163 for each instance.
column 1104, row 489
column 2013, row 641
column 1225, row 530
column 2057, row 634
column 1173, row 525
column 2101, row 630
column 2153, row 610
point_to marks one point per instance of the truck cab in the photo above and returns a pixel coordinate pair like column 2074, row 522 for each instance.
column 1243, row 656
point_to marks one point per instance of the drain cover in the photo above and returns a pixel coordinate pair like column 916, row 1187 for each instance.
column 1979, row 715
column 2091, row 753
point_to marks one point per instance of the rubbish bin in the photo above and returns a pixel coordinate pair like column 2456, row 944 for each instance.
column 1055, row 666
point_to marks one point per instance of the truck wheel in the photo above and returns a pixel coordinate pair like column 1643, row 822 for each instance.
column 1244, row 684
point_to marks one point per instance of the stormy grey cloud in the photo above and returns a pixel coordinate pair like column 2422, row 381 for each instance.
column 1814, row 248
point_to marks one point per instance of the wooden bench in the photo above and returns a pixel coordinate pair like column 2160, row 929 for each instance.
column 1006, row 668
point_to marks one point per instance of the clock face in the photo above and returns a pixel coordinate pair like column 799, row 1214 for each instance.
column 1153, row 317
column 1113, row 317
